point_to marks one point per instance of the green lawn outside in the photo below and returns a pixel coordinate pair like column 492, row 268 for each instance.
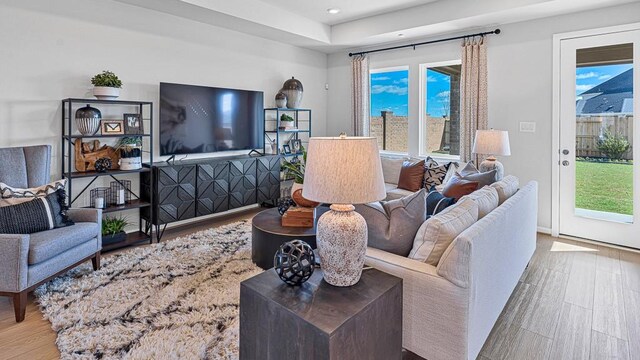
column 604, row 187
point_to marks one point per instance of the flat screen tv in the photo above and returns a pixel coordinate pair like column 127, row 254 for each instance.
column 200, row 119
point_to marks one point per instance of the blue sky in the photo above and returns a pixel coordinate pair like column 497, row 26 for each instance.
column 438, row 88
column 390, row 91
column 588, row 77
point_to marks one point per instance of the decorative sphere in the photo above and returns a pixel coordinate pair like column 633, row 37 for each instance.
column 284, row 205
column 294, row 262
column 103, row 164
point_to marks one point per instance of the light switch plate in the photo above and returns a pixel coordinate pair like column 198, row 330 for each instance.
column 528, row 127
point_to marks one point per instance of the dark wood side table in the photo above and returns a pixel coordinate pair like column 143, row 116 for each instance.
column 320, row 321
column 268, row 234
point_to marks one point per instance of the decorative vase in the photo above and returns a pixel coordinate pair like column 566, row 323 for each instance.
column 295, row 187
column 88, row 120
column 292, row 88
column 302, row 201
column 342, row 244
column 106, row 92
column 130, row 158
column 281, row 99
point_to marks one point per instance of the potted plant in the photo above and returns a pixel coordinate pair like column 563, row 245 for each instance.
column 106, row 85
column 294, row 169
column 286, row 122
column 130, row 148
column 113, row 229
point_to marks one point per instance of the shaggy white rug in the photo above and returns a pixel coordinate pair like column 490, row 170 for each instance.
column 176, row 299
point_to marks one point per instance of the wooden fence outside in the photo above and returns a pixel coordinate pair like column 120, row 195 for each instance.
column 590, row 129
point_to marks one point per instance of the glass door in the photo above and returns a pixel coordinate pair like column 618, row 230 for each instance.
column 599, row 179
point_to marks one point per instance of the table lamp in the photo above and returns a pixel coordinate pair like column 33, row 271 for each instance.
column 342, row 171
column 492, row 142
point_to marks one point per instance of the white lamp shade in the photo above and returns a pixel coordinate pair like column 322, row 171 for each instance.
column 492, row 142
column 343, row 170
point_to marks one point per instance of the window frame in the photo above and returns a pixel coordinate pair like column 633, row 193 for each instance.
column 392, row 69
column 422, row 109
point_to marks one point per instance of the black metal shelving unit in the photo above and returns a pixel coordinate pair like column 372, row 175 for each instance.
column 145, row 109
column 272, row 131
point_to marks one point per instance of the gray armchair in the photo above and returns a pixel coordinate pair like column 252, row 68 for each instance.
column 26, row 261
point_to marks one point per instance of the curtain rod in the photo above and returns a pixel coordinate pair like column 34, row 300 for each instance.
column 496, row 31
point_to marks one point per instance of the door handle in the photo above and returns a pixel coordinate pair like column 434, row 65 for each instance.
column 565, row 152
column 565, row 163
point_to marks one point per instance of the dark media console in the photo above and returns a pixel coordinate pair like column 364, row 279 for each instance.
column 188, row 189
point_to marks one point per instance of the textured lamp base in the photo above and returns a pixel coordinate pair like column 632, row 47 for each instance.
column 342, row 242
column 491, row 163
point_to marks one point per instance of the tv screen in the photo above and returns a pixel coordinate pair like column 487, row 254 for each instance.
column 200, row 119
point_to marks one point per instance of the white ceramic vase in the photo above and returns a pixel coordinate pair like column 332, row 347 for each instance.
column 342, row 244
column 106, row 93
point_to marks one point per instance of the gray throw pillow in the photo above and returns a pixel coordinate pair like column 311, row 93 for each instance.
column 483, row 178
column 392, row 225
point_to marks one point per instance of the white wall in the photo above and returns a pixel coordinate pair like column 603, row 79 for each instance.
column 520, row 87
column 50, row 49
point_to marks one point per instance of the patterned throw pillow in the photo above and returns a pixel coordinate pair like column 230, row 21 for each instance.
column 434, row 173
column 11, row 195
column 436, row 202
column 38, row 214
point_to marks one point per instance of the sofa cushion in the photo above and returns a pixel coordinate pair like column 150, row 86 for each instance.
column 457, row 187
column 434, row 173
column 486, row 198
column 506, row 187
column 392, row 225
column 10, row 195
column 397, row 193
column 436, row 202
column 438, row 232
column 391, row 168
column 38, row 214
column 47, row 244
column 483, row 178
column 411, row 175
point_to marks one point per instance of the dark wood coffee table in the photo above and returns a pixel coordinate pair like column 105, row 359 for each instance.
column 320, row 321
column 268, row 234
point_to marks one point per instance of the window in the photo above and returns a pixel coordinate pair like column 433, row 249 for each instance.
column 440, row 109
column 389, row 108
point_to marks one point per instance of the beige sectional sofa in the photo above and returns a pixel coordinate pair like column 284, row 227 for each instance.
column 449, row 309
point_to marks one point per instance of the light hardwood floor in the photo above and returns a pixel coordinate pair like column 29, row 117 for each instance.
column 575, row 301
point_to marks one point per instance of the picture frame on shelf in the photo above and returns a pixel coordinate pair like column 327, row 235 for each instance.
column 296, row 146
column 112, row 127
column 133, row 124
column 286, row 149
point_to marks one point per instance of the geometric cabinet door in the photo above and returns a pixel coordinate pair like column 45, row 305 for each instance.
column 242, row 182
column 176, row 193
column 212, row 188
column 268, row 178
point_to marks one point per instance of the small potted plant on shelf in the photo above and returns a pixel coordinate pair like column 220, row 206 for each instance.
column 106, row 85
column 130, row 148
column 294, row 169
column 287, row 122
column 113, row 229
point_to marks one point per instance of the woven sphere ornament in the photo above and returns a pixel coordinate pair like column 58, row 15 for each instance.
column 294, row 262
column 103, row 164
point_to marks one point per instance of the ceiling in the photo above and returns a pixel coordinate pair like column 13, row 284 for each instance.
column 349, row 9
column 363, row 23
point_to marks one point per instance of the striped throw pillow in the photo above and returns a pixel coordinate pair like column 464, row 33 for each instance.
column 39, row 214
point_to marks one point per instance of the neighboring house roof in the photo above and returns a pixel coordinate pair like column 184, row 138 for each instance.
column 612, row 96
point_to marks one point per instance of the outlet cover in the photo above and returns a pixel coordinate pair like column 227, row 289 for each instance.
column 528, row 127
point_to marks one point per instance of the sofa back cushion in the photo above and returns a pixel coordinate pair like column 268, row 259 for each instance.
column 411, row 175
column 391, row 168
column 486, row 198
column 506, row 187
column 436, row 234
column 392, row 225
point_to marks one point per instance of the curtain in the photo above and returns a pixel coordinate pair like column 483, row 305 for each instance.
column 473, row 95
column 360, row 95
